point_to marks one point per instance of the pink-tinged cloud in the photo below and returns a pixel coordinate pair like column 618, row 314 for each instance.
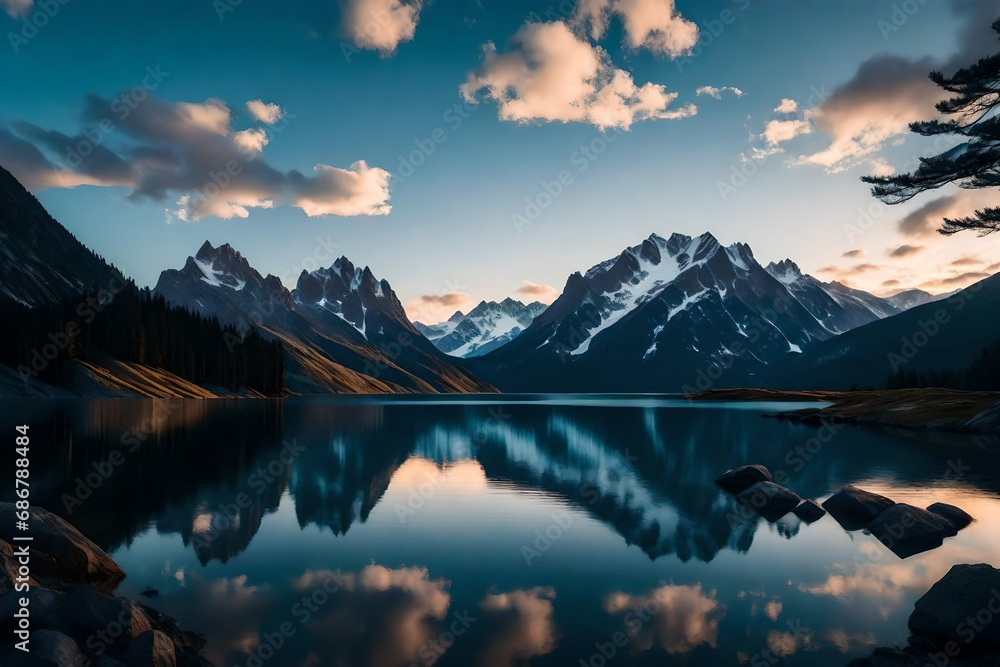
column 926, row 220
column 17, row 8
column 889, row 92
column 190, row 154
column 520, row 625
column 960, row 280
column 904, row 250
column 779, row 131
column 380, row 25
column 651, row 24
column 684, row 618
column 265, row 112
column 537, row 292
column 786, row 106
column 434, row 308
column 552, row 75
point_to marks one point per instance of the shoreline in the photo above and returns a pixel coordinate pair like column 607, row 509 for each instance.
column 970, row 412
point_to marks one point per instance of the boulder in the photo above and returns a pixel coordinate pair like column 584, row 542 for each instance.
column 742, row 478
column 809, row 511
column 85, row 610
column 151, row 649
column 907, row 530
column 43, row 605
column 953, row 515
column 48, row 649
column 855, row 508
column 61, row 551
column 772, row 501
column 967, row 593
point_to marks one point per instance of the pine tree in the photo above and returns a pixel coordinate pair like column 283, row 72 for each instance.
column 973, row 164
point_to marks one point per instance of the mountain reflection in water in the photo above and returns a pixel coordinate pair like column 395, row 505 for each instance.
column 558, row 532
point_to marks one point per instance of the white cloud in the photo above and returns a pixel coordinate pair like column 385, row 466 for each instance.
column 552, row 75
column 652, row 24
column 269, row 114
column 380, row 25
column 712, row 91
column 787, row 106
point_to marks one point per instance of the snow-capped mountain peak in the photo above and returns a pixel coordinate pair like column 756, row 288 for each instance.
column 350, row 293
column 786, row 271
column 666, row 309
column 486, row 327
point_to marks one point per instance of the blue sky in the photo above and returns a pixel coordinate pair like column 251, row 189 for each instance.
column 364, row 100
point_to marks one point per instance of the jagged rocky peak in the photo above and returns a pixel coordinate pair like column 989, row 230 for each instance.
column 223, row 266
column 353, row 294
column 339, row 280
column 786, row 271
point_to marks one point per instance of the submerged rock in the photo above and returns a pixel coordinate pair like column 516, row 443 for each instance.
column 962, row 608
column 772, row 501
column 742, row 478
column 907, row 530
column 809, row 511
column 954, row 515
column 855, row 508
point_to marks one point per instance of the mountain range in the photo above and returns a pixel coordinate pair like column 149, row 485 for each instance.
column 343, row 329
column 487, row 327
column 669, row 314
column 667, row 311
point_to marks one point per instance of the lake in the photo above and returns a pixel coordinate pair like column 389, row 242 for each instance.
column 545, row 530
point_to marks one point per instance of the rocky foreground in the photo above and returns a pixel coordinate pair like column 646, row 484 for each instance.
column 75, row 617
column 957, row 622
column 971, row 412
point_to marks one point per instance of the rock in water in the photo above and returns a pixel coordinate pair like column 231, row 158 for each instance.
column 855, row 508
column 954, row 515
column 742, row 478
column 772, row 501
column 809, row 511
column 907, row 530
column 967, row 592
column 70, row 555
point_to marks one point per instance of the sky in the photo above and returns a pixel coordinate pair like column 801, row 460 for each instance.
column 474, row 150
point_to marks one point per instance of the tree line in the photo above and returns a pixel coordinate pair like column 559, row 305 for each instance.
column 983, row 374
column 134, row 325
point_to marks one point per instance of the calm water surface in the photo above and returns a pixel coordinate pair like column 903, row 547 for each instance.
column 541, row 531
